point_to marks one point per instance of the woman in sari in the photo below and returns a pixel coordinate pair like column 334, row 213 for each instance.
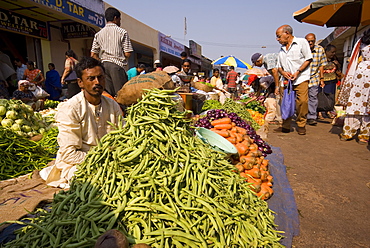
column 33, row 75
column 355, row 93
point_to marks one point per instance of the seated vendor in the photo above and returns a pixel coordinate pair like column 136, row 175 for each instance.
column 185, row 71
column 24, row 94
column 82, row 121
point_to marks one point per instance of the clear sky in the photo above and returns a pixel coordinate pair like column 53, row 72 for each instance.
column 238, row 27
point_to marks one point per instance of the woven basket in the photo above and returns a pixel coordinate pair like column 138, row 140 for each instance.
column 201, row 86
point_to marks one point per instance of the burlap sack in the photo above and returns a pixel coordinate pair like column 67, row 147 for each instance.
column 132, row 91
column 22, row 194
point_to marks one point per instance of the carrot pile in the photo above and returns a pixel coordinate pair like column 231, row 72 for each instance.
column 250, row 163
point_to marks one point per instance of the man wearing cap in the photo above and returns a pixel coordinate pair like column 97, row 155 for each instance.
column 114, row 45
column 316, row 77
column 157, row 65
column 294, row 64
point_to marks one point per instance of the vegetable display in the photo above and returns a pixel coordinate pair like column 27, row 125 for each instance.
column 257, row 117
column 20, row 155
column 215, row 114
column 256, row 105
column 157, row 183
column 20, row 118
column 51, row 104
column 211, row 104
column 250, row 162
column 231, row 106
column 49, row 141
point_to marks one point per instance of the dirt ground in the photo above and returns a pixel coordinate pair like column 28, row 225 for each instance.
column 329, row 178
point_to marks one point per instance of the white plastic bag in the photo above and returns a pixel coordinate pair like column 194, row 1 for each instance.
column 40, row 92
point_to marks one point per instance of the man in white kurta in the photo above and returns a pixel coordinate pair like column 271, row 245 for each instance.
column 82, row 121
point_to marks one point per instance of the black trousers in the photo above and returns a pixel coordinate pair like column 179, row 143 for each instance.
column 115, row 77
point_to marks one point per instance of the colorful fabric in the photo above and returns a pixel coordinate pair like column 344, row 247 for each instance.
column 349, row 76
column 354, row 122
column 358, row 101
column 318, row 60
column 32, row 76
column 290, row 60
column 231, row 79
column 114, row 42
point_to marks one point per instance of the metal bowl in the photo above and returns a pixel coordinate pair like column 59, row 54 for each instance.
column 186, row 78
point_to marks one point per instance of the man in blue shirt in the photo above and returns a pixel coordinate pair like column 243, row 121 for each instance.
column 134, row 71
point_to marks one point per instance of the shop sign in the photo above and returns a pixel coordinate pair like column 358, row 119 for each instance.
column 338, row 31
column 75, row 10
column 76, row 30
column 22, row 24
column 170, row 46
column 195, row 49
column 195, row 60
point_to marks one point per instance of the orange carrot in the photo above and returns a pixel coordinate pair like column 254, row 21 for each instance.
column 221, row 121
column 240, row 167
column 223, row 133
column 241, row 130
column 239, row 137
column 254, row 172
column 242, row 149
column 232, row 140
column 223, row 126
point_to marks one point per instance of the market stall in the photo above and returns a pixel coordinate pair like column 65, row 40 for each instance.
column 158, row 183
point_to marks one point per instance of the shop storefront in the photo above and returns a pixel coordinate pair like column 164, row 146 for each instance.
column 42, row 31
column 170, row 51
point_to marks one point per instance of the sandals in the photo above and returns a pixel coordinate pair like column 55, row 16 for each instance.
column 363, row 142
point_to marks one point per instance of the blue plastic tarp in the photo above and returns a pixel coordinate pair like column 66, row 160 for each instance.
column 282, row 201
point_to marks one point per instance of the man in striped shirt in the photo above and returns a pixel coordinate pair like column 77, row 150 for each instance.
column 231, row 80
column 316, row 77
column 114, row 45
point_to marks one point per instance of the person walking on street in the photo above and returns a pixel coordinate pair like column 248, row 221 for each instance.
column 294, row 64
column 355, row 93
column 114, row 44
column 316, row 77
column 231, row 80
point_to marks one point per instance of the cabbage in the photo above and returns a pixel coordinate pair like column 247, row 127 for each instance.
column 7, row 122
column 16, row 127
column 11, row 114
column 2, row 110
column 20, row 122
column 26, row 129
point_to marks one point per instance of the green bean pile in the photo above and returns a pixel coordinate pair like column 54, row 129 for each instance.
column 49, row 141
column 232, row 106
column 19, row 155
column 157, row 183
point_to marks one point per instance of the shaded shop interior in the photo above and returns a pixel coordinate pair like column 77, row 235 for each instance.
column 32, row 31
